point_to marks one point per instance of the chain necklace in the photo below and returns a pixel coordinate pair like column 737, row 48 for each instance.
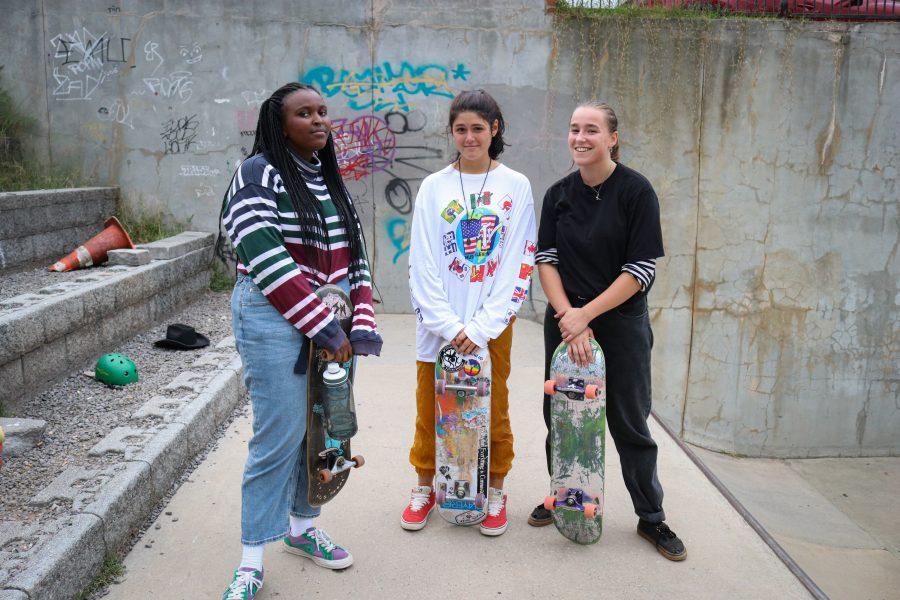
column 599, row 187
column 463, row 190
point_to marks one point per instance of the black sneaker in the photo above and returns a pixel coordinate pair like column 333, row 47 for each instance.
column 663, row 538
column 540, row 516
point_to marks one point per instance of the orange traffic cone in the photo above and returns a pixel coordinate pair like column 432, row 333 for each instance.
column 93, row 252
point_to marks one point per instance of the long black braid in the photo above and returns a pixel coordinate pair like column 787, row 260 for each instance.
column 271, row 142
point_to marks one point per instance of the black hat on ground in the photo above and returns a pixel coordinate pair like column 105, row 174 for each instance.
column 182, row 337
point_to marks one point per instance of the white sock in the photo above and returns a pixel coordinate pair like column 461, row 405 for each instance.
column 252, row 557
column 299, row 525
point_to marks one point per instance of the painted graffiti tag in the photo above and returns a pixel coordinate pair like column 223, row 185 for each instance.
column 364, row 145
column 117, row 112
column 192, row 54
column 87, row 61
column 398, row 231
column 178, row 134
column 386, row 86
column 176, row 85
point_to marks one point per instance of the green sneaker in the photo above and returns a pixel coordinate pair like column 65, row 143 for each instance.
column 314, row 543
column 245, row 585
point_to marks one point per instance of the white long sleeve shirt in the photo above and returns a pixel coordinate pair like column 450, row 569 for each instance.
column 470, row 262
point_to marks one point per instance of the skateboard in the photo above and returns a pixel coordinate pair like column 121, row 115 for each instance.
column 330, row 411
column 578, row 444
column 462, row 425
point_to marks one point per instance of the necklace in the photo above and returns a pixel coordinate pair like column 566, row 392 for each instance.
column 463, row 190
column 599, row 186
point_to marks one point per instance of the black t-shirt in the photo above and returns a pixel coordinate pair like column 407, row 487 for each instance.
column 594, row 238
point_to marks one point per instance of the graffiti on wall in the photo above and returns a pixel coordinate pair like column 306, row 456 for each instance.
column 178, row 134
column 116, row 112
column 387, row 86
column 84, row 61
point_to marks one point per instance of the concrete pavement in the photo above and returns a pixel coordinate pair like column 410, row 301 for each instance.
column 192, row 553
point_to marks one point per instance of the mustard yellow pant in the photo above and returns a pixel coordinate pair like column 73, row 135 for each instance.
column 421, row 455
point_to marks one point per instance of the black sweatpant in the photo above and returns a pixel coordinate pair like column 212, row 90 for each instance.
column 626, row 340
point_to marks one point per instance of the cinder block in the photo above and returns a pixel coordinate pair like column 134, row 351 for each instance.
column 12, row 383
column 20, row 332
column 84, row 346
column 21, row 434
column 179, row 245
column 45, row 363
column 128, row 257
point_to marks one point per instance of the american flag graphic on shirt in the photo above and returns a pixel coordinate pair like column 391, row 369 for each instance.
column 470, row 229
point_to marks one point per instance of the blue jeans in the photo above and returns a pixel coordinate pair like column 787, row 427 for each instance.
column 275, row 479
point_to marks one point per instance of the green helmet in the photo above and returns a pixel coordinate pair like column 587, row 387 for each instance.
column 115, row 369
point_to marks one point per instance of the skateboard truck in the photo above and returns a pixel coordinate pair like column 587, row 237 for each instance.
column 572, row 499
column 339, row 464
column 574, row 388
column 481, row 387
column 460, row 491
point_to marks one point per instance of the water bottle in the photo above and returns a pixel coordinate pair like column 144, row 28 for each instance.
column 340, row 415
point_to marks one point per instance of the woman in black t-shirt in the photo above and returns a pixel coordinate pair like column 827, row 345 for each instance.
column 598, row 243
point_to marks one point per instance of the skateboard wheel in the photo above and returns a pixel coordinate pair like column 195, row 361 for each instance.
column 359, row 460
column 479, row 501
column 590, row 391
column 590, row 510
column 550, row 502
column 549, row 387
column 325, row 475
column 482, row 388
column 440, row 386
column 440, row 497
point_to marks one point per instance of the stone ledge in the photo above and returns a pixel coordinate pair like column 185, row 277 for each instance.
column 178, row 245
column 21, row 434
column 108, row 505
column 129, row 257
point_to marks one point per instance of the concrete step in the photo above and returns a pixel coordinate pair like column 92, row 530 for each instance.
column 46, row 224
column 98, row 492
column 57, row 329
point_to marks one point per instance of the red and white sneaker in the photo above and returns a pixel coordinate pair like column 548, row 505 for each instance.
column 495, row 521
column 420, row 506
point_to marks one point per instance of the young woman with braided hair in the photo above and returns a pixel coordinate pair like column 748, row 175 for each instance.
column 598, row 242
column 294, row 228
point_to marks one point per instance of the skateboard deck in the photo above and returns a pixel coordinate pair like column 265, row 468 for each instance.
column 578, row 444
column 462, row 424
column 328, row 461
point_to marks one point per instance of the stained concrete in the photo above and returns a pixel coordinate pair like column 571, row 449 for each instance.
column 197, row 546
column 837, row 518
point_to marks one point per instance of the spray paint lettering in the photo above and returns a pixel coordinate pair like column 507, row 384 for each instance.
column 386, row 86
column 87, row 61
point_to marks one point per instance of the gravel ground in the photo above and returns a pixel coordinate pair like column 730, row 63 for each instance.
column 80, row 411
column 36, row 276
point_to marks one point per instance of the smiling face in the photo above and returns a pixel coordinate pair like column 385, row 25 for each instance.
column 472, row 136
column 590, row 139
column 305, row 121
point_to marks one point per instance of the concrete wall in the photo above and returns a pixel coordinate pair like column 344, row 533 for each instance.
column 772, row 145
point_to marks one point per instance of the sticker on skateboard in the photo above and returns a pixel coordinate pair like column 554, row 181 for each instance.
column 330, row 408
column 462, row 424
column 578, row 444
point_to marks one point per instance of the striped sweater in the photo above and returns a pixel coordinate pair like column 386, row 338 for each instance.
column 264, row 230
